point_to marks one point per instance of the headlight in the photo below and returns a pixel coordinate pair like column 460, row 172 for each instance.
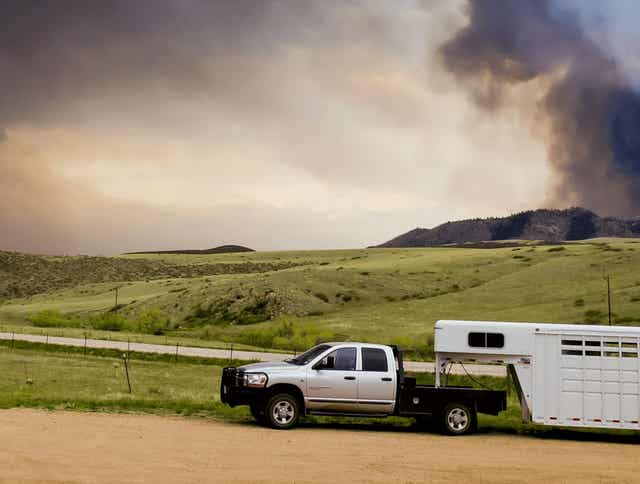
column 255, row 379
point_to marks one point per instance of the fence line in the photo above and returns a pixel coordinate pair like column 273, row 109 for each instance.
column 229, row 352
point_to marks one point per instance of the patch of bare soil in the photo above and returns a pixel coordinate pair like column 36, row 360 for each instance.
column 54, row 447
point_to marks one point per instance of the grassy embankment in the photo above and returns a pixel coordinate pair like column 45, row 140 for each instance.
column 377, row 295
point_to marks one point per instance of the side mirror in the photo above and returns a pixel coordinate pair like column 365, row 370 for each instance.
column 326, row 363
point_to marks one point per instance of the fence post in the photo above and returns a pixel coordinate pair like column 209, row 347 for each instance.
column 85, row 344
column 128, row 347
column 126, row 370
column 177, row 346
column 231, row 355
column 13, row 337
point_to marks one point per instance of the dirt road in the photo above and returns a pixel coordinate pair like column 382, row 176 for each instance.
column 55, row 447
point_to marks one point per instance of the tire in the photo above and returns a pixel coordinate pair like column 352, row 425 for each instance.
column 257, row 412
column 282, row 411
column 458, row 419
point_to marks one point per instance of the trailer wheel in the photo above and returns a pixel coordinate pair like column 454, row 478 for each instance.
column 458, row 419
column 282, row 411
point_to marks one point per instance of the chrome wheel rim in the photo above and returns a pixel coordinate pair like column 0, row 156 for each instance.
column 283, row 412
column 457, row 419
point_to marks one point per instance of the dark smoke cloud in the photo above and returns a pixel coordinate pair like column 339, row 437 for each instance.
column 593, row 112
column 55, row 55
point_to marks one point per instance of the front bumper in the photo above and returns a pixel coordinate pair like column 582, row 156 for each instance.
column 232, row 389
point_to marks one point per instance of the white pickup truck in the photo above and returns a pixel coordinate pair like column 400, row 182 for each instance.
column 351, row 379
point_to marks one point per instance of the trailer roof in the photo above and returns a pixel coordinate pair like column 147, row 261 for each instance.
column 542, row 326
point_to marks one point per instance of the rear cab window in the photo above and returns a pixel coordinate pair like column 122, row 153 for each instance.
column 374, row 359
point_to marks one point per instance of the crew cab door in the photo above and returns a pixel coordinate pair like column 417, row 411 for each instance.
column 333, row 387
column 376, row 381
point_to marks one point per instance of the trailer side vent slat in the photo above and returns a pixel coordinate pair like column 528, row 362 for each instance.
column 572, row 352
column 572, row 342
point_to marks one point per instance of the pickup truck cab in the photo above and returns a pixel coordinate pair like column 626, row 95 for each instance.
column 351, row 379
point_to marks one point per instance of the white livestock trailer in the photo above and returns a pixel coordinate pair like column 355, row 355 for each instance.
column 569, row 375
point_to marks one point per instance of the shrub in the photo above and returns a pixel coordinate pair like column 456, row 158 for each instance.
column 344, row 297
column 286, row 335
column 108, row 322
column 594, row 316
column 624, row 320
column 556, row 249
column 578, row 303
column 52, row 319
column 152, row 322
column 225, row 312
column 322, row 296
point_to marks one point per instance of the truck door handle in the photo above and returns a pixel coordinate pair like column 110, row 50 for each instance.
column 386, row 378
column 349, row 377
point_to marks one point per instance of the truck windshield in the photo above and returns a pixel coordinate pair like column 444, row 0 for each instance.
column 308, row 355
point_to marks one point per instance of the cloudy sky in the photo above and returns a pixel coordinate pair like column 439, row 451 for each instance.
column 161, row 124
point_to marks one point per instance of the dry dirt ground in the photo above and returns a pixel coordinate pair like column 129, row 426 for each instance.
column 55, row 447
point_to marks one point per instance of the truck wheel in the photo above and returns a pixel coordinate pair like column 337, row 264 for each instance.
column 458, row 419
column 257, row 412
column 282, row 411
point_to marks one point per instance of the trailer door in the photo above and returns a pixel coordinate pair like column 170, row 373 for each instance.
column 586, row 380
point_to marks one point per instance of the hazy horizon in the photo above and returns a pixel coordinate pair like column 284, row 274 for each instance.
column 132, row 126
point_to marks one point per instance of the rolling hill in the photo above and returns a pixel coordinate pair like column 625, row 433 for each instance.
column 222, row 249
column 291, row 300
column 540, row 225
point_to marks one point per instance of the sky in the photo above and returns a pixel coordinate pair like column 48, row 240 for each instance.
column 287, row 124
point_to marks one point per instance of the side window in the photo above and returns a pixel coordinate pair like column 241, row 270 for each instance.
column 477, row 340
column 344, row 359
column 374, row 359
column 486, row 340
column 495, row 340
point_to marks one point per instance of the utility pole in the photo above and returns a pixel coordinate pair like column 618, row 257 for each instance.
column 116, row 291
column 609, row 297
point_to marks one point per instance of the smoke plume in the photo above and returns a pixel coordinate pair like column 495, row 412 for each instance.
column 591, row 106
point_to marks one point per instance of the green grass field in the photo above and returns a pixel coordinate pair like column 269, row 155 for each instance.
column 56, row 378
column 63, row 380
column 60, row 378
column 377, row 295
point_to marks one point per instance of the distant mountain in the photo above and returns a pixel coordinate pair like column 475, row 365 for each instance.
column 223, row 249
column 545, row 225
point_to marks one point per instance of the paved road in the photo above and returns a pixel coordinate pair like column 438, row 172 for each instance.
column 415, row 366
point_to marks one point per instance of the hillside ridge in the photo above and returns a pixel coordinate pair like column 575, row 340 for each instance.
column 550, row 225
column 222, row 249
